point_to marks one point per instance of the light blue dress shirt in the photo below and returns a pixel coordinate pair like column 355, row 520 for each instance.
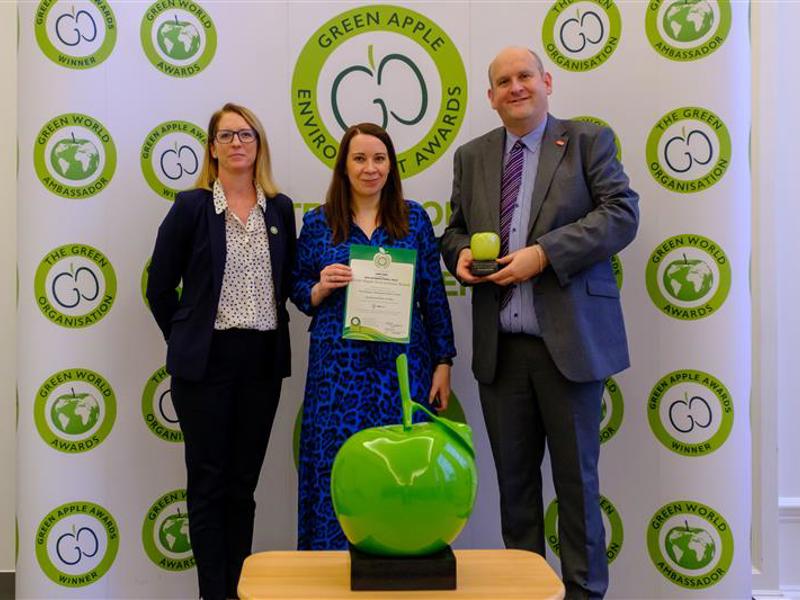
column 519, row 315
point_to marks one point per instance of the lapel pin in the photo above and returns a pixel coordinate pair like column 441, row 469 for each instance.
column 273, row 230
column 561, row 142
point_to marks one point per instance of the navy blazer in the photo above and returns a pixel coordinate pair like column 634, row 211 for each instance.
column 190, row 250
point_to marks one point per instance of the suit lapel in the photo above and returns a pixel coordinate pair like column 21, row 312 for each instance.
column 554, row 144
column 216, row 236
column 275, row 236
column 492, row 174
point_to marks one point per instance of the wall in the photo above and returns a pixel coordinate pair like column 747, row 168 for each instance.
column 8, row 281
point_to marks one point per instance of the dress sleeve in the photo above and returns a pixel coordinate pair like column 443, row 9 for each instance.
column 434, row 307
column 305, row 273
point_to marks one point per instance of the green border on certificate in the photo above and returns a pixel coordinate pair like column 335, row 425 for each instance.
column 381, row 295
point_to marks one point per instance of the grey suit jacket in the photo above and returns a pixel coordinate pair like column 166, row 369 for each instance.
column 583, row 212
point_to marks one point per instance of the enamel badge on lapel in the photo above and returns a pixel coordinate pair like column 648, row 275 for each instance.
column 273, row 230
column 561, row 142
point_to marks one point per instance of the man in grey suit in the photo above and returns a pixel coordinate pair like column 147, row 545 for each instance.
column 547, row 326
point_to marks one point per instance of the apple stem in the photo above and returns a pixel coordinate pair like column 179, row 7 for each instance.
column 686, row 522
column 370, row 57
column 685, row 260
column 73, row 137
column 176, row 19
column 405, row 393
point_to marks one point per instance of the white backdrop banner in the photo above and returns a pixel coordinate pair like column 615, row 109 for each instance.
column 114, row 98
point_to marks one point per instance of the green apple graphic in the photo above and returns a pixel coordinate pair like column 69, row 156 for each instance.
column 75, row 413
column 405, row 489
column 174, row 533
column 75, row 159
column 581, row 30
column 81, row 22
column 485, row 245
column 690, row 547
column 178, row 39
column 688, row 279
column 688, row 20
column 378, row 75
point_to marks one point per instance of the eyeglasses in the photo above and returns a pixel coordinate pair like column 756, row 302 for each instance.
column 246, row 136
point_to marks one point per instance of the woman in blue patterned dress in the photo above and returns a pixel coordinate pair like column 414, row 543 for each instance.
column 351, row 384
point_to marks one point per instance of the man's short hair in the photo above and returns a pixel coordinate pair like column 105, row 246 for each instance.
column 539, row 65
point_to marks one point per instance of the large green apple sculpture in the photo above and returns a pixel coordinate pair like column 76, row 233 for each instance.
column 405, row 489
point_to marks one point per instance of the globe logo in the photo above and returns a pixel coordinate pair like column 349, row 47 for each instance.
column 688, row 279
column 75, row 159
column 690, row 547
column 688, row 20
column 174, row 533
column 179, row 40
column 75, row 414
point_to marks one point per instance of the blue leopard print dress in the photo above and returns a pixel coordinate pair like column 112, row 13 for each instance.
column 352, row 385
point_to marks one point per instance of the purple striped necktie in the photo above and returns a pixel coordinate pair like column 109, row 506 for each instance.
column 509, row 190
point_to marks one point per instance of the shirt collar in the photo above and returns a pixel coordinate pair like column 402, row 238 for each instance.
column 532, row 139
column 221, row 202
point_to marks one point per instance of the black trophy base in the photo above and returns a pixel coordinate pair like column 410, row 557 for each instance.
column 431, row 572
column 483, row 267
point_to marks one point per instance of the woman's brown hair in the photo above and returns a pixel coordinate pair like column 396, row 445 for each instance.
column 392, row 210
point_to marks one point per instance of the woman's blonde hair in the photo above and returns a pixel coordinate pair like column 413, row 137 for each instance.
column 210, row 170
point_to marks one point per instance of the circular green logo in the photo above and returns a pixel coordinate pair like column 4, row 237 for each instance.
column 616, row 268
column 74, row 410
column 75, row 285
column 385, row 64
column 612, row 524
column 157, row 409
column 171, row 157
column 690, row 544
column 581, row 35
column 688, row 150
column 179, row 39
column 612, row 410
column 165, row 532
column 76, row 543
column 76, row 37
column 684, row 30
column 688, row 276
column 690, row 412
column 601, row 123
column 74, row 156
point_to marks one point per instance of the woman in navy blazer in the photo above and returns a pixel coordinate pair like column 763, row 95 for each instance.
column 230, row 244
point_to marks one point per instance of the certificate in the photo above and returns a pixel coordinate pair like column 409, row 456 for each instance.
column 380, row 295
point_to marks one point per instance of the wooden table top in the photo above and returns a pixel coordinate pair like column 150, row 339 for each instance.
column 496, row 574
